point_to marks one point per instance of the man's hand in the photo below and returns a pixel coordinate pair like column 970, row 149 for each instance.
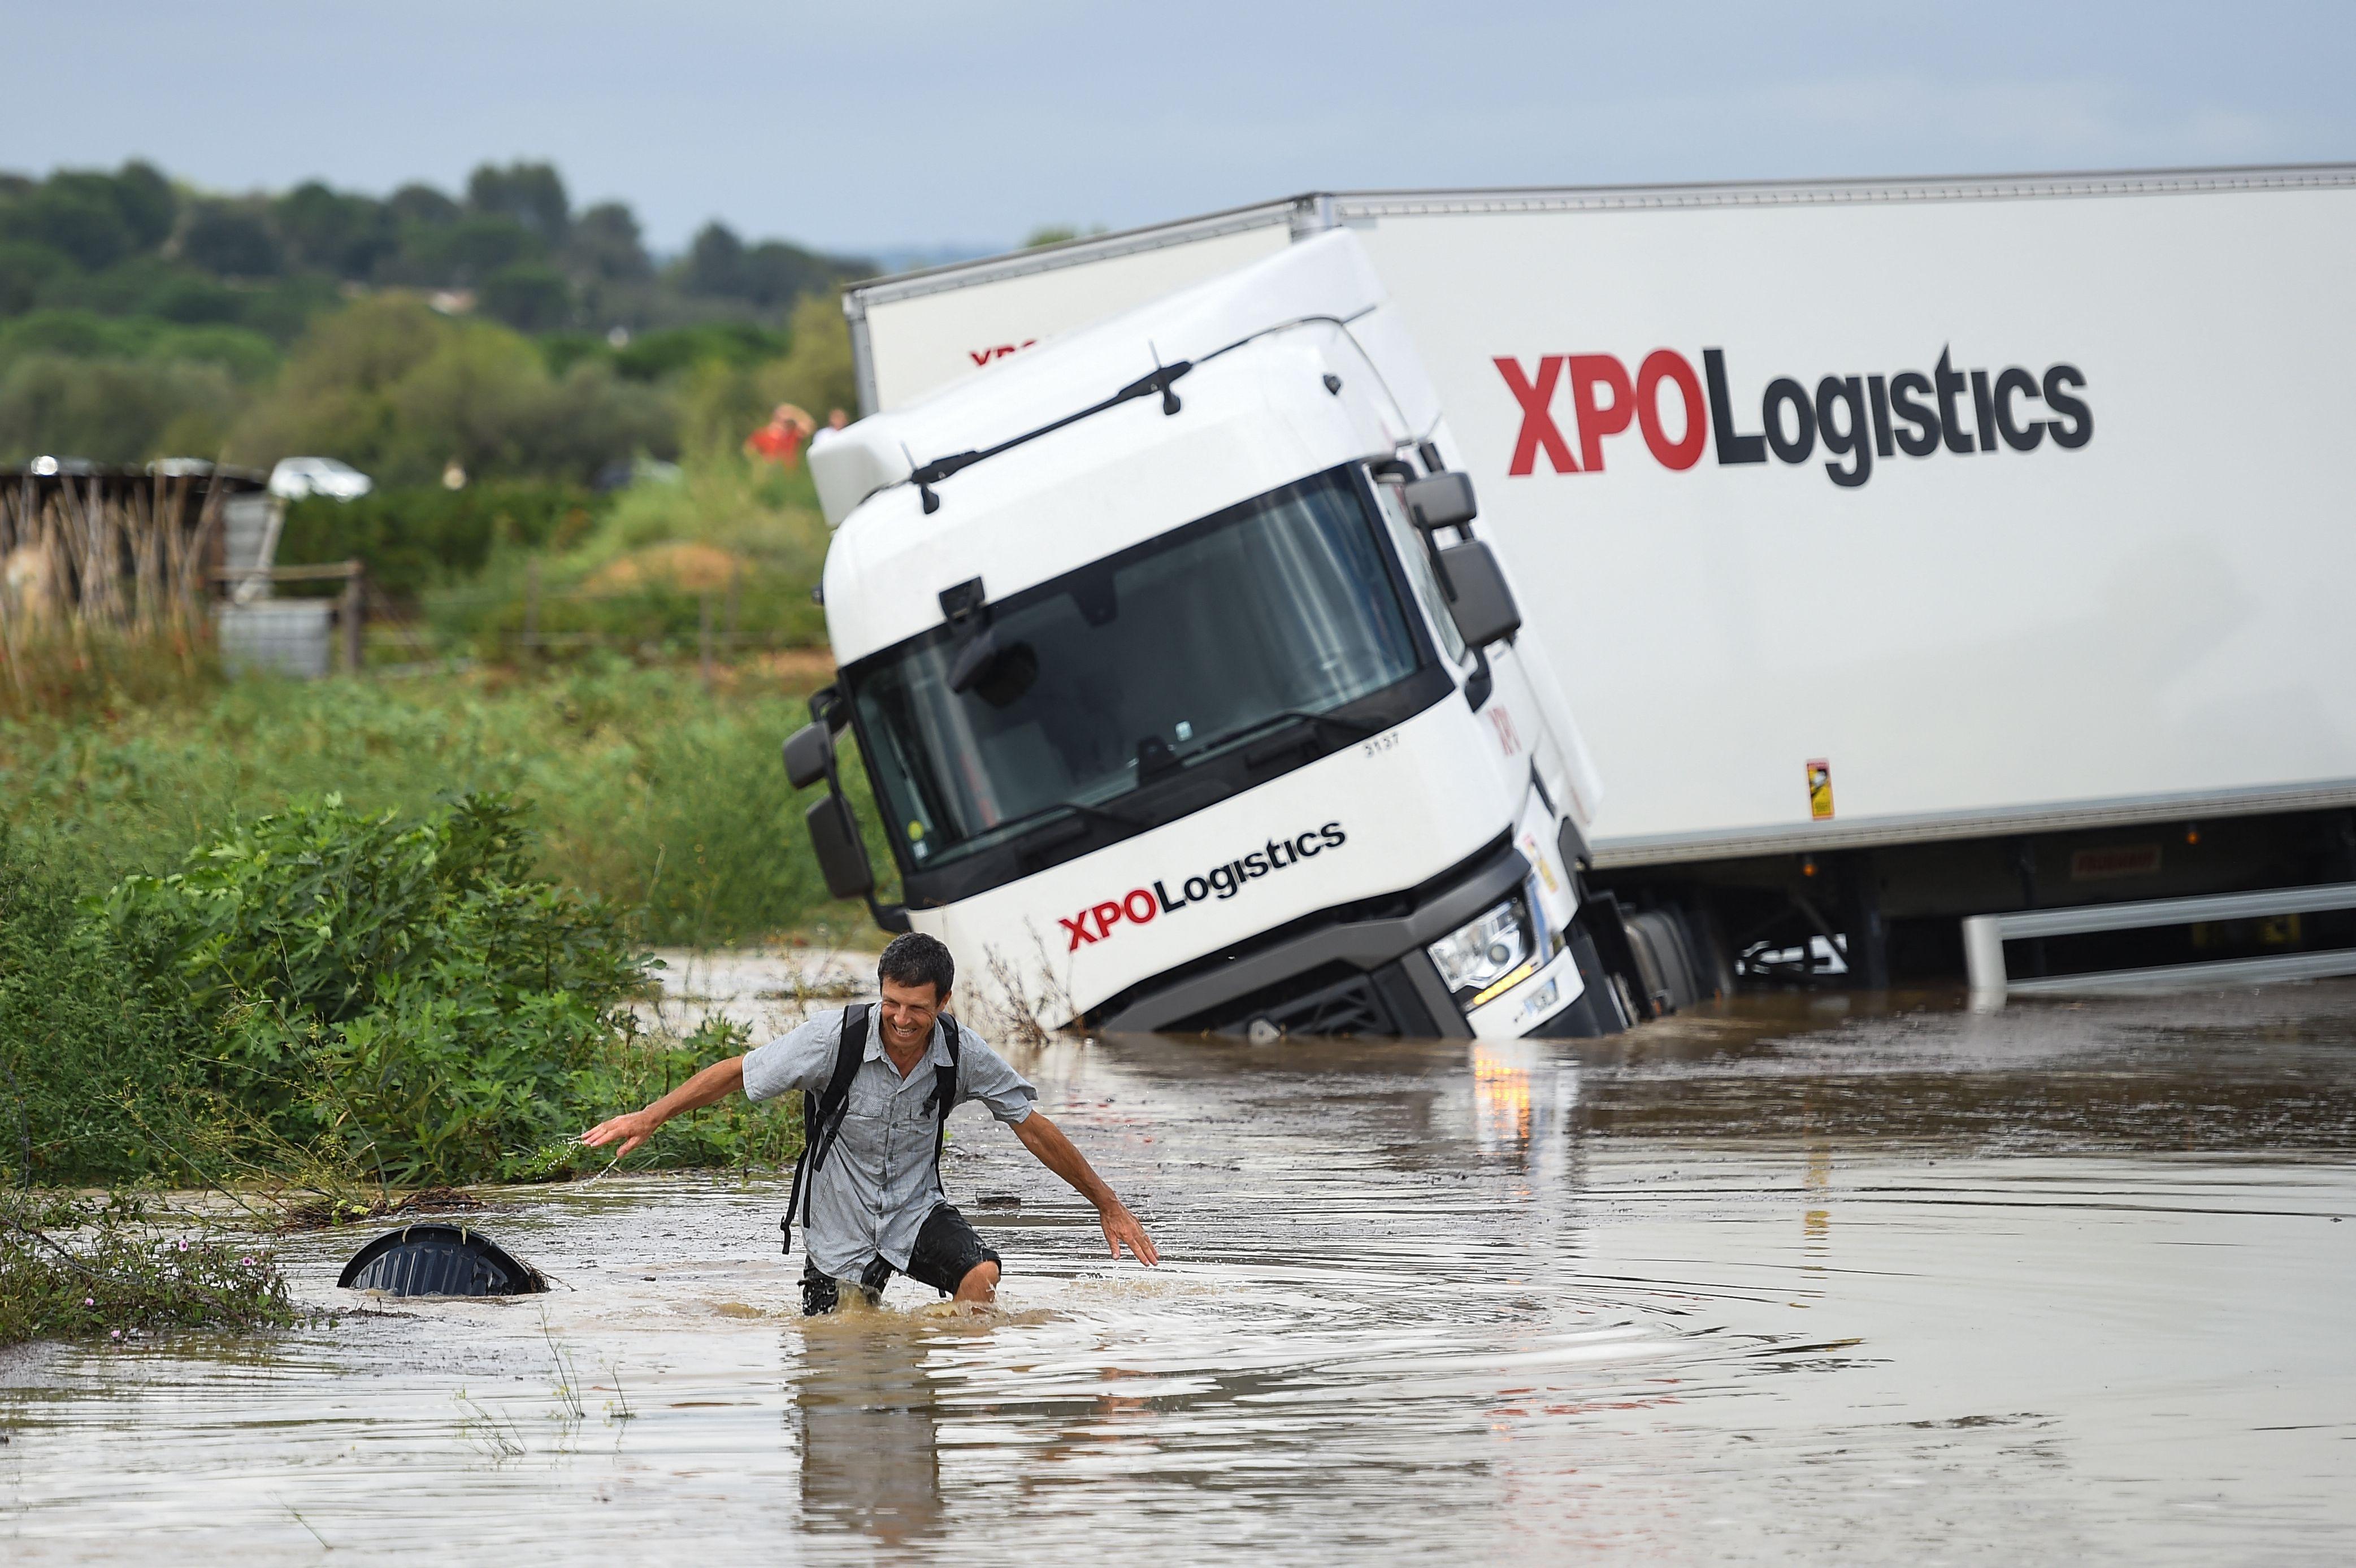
column 634, row 1128
column 1047, row 1141
column 1121, row 1230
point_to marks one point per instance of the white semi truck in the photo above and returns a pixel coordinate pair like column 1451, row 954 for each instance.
column 1523, row 612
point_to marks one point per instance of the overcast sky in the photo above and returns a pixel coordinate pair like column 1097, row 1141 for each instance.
column 888, row 126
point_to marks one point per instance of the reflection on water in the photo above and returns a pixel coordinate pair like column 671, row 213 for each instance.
column 864, row 1417
column 1889, row 1278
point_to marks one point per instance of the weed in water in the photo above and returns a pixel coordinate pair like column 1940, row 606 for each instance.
column 619, row 1407
column 568, row 1378
column 492, row 1435
column 74, row 1268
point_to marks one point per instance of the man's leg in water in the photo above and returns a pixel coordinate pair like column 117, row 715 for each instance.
column 953, row 1259
column 979, row 1283
column 821, row 1293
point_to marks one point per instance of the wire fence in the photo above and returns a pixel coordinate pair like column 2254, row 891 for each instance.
column 742, row 613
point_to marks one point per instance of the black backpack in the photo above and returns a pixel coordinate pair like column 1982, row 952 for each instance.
column 822, row 1112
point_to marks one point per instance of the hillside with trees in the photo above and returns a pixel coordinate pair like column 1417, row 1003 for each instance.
column 499, row 328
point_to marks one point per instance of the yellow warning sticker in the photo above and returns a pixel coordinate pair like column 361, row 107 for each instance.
column 1820, row 790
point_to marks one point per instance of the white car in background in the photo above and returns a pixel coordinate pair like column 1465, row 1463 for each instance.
column 295, row 477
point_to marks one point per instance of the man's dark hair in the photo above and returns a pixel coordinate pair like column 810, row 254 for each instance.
column 914, row 958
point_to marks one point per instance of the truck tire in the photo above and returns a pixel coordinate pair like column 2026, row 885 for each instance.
column 1666, row 960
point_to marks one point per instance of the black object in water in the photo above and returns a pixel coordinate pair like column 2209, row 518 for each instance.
column 439, row 1260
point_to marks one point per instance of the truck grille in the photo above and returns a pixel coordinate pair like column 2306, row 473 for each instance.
column 1332, row 1000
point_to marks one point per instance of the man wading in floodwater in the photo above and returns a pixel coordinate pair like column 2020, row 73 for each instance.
column 878, row 1085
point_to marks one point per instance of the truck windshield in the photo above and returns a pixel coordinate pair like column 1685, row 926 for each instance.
column 1133, row 667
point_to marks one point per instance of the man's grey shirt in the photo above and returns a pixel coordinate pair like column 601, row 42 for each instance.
column 879, row 1182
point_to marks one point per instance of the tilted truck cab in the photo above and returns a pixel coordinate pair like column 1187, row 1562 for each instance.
column 1192, row 698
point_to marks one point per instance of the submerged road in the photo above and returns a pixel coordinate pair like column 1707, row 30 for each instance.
column 1796, row 1279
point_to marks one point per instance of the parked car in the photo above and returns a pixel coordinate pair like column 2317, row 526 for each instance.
column 295, row 477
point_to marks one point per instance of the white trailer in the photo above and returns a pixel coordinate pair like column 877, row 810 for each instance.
column 1904, row 551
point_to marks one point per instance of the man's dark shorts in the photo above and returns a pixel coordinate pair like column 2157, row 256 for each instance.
column 947, row 1250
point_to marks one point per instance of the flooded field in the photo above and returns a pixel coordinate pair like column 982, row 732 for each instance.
column 1790, row 1281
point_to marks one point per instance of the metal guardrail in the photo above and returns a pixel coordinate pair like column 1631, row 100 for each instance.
column 1985, row 935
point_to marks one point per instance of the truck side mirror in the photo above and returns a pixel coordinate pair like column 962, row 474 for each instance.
column 1478, row 598
column 808, row 750
column 842, row 853
column 1440, row 500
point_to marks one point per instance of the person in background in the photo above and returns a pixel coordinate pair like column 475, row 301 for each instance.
column 780, row 440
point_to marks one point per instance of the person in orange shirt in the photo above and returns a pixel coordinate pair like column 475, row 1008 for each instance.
column 780, row 440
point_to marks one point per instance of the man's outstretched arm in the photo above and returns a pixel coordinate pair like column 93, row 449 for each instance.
column 1046, row 1140
column 709, row 1087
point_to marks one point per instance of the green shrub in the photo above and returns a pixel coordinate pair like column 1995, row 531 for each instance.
column 407, row 996
column 419, row 537
column 84, row 1057
column 340, row 1000
column 752, row 509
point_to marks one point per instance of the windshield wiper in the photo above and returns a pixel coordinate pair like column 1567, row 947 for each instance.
column 1075, row 813
column 1031, row 843
column 925, row 476
column 1327, row 723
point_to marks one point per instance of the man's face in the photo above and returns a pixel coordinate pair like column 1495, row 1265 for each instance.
column 908, row 1012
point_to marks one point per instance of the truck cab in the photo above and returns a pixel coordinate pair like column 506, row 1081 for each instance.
column 1190, row 696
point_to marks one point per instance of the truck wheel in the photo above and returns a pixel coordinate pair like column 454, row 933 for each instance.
column 1666, row 960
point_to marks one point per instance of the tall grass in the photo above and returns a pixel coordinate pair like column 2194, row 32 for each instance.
column 647, row 790
column 79, row 671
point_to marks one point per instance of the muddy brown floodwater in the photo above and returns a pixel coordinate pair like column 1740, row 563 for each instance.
column 1889, row 1280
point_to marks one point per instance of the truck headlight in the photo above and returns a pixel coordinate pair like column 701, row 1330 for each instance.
column 1478, row 960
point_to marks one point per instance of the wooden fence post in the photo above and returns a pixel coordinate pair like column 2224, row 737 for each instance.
column 704, row 640
column 354, row 614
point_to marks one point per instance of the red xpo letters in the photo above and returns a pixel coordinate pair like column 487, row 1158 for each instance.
column 1620, row 402
column 997, row 351
column 1855, row 419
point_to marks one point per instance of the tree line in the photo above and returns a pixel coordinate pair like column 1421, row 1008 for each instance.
column 133, row 242
column 141, row 317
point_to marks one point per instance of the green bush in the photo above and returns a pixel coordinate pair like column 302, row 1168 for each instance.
column 529, row 296
column 752, row 509
column 86, row 1057
column 419, row 537
column 724, row 399
column 340, row 1000
column 407, row 996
